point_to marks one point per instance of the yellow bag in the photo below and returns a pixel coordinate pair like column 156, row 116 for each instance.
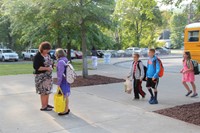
column 59, row 101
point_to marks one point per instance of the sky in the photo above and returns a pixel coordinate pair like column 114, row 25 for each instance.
column 169, row 7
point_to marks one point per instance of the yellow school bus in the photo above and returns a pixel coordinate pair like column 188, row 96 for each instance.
column 192, row 40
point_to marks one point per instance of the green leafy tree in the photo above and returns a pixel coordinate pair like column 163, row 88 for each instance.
column 151, row 32
column 135, row 18
column 92, row 12
column 5, row 33
column 178, row 22
column 193, row 13
column 62, row 22
column 166, row 16
column 178, row 2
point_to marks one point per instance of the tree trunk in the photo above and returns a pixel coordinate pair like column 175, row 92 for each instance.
column 138, row 40
column 10, row 41
column 84, row 50
column 137, row 35
column 9, row 36
column 117, row 39
column 84, row 46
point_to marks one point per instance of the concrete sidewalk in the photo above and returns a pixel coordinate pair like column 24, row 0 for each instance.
column 95, row 109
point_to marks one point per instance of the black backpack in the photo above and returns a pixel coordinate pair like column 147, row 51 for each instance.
column 196, row 67
column 145, row 70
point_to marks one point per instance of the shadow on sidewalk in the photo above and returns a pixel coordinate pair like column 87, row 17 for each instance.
column 76, row 123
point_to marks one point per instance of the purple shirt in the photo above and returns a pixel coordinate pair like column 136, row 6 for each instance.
column 61, row 69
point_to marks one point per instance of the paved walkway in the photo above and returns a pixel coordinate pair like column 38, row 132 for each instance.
column 95, row 109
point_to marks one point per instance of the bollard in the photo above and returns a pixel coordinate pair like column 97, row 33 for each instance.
column 107, row 57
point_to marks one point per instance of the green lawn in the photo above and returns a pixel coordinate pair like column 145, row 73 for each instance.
column 26, row 68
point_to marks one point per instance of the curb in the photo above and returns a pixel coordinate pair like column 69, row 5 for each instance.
column 170, row 57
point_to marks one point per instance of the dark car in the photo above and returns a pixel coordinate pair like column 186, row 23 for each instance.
column 163, row 51
column 73, row 56
column 100, row 54
column 79, row 54
column 52, row 54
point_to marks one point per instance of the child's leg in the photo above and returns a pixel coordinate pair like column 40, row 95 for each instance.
column 155, row 93
column 141, row 92
column 186, row 86
column 193, row 87
column 136, row 91
column 149, row 85
column 155, row 88
column 150, row 91
column 152, row 96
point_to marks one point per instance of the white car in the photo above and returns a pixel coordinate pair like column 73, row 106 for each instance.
column 8, row 54
column 130, row 51
column 29, row 54
column 120, row 53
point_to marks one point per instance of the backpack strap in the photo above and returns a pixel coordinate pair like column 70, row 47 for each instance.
column 138, row 65
column 154, row 62
column 64, row 62
column 65, row 65
column 188, row 63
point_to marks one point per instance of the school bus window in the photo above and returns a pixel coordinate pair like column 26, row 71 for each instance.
column 193, row 36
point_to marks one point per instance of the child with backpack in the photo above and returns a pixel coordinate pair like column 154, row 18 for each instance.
column 188, row 74
column 62, row 83
column 137, row 74
column 152, row 76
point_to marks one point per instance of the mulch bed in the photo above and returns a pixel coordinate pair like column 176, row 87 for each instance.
column 95, row 80
column 189, row 113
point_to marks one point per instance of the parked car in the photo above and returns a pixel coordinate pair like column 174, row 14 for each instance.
column 29, row 54
column 163, row 51
column 73, row 55
column 8, row 54
column 79, row 54
column 112, row 52
column 100, row 53
column 129, row 51
column 120, row 53
column 144, row 52
column 52, row 54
